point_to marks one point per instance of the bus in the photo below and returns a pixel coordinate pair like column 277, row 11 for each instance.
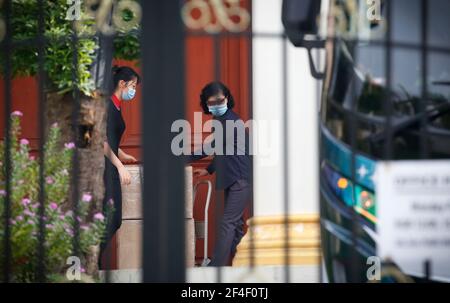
column 385, row 96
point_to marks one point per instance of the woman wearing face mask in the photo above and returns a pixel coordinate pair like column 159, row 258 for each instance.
column 233, row 170
column 125, row 80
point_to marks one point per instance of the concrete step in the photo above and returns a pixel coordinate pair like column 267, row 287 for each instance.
column 258, row 274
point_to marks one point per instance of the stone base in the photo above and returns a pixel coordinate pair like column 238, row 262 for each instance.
column 268, row 244
column 129, row 236
column 130, row 244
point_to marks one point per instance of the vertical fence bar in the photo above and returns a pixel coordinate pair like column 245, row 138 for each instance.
column 41, row 276
column 106, row 44
column 75, row 159
column 424, row 148
column 387, row 100
column 7, row 95
column 387, row 104
column 319, row 100
column 106, row 50
column 285, row 97
column 163, row 92
column 353, row 130
column 104, row 61
column 220, row 199
column 251, row 141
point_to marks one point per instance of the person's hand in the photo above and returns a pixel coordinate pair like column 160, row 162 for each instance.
column 126, row 158
column 201, row 172
column 125, row 176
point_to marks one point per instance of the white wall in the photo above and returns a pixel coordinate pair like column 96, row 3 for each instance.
column 268, row 106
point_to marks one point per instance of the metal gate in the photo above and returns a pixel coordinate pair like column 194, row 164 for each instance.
column 162, row 37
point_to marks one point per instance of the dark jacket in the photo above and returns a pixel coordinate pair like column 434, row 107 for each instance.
column 234, row 167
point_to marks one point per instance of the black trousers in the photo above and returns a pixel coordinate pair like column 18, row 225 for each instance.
column 113, row 191
column 231, row 226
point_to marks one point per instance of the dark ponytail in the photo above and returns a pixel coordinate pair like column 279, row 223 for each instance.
column 124, row 73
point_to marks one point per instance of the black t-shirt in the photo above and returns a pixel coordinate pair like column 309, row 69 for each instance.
column 115, row 127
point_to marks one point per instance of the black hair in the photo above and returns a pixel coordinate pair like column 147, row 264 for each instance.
column 124, row 73
column 212, row 89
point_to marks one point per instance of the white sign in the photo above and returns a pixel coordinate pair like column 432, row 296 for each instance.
column 413, row 208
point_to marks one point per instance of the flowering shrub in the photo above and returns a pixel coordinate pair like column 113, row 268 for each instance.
column 59, row 221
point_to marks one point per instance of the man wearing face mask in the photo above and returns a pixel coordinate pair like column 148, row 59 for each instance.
column 125, row 80
column 233, row 171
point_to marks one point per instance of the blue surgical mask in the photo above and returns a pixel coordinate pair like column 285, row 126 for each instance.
column 218, row 110
column 128, row 94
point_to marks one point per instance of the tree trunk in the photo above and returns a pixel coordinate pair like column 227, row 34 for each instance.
column 89, row 138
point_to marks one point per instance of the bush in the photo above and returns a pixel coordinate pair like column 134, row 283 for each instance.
column 59, row 50
column 59, row 221
column 126, row 44
column 58, row 58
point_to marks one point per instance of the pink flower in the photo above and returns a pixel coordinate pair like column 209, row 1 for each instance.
column 26, row 201
column 17, row 113
column 19, row 218
column 62, row 217
column 24, row 142
column 69, row 145
column 53, row 205
column 30, row 222
column 2, row 193
column 54, row 125
column 82, row 270
column 32, row 158
column 49, row 180
column 12, row 222
column 111, row 202
column 69, row 231
column 28, row 213
column 87, row 198
column 78, row 219
column 99, row 216
column 35, row 205
column 84, row 227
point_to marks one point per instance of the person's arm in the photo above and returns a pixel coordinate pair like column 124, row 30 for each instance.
column 126, row 158
column 197, row 155
column 201, row 172
column 125, row 177
column 212, row 167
